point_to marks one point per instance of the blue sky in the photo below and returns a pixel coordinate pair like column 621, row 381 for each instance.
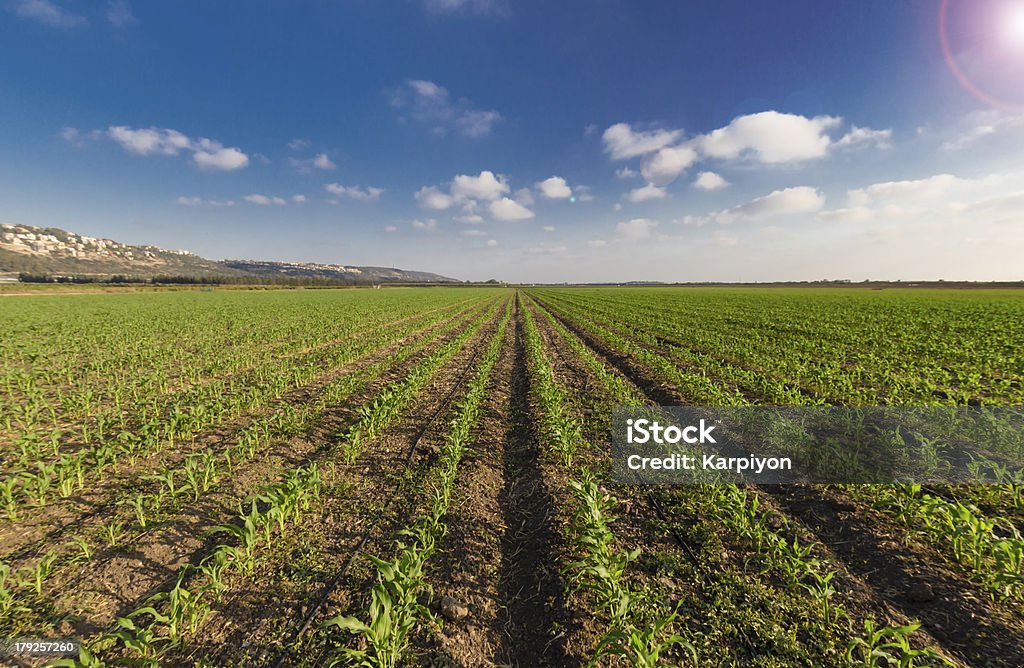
column 575, row 141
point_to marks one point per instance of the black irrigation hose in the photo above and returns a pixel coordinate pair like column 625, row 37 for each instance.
column 365, row 536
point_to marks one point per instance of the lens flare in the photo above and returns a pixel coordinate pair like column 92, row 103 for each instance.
column 1011, row 26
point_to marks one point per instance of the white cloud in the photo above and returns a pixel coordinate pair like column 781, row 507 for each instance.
column 636, row 229
column 789, row 201
column 999, row 209
column 982, row 124
column 47, row 13
column 473, row 233
column 597, row 243
column 544, row 249
column 903, row 191
column 469, row 219
column 206, row 153
column 549, row 228
column 390, row 229
column 356, row 193
column 554, row 187
column 621, row 142
column 665, row 165
column 770, row 137
column 264, row 200
column 299, row 199
column 211, row 155
column 299, row 144
column 626, row 173
column 475, row 124
column 858, row 136
column 431, row 104
column 506, row 209
column 486, row 186
column 491, row 243
column 481, row 7
column 119, row 14
column 524, row 196
column 710, row 181
column 188, row 201
column 724, row 240
column 646, row 193
column 583, row 194
column 197, row 201
column 147, row 141
column 429, row 225
column 321, row 161
column 854, row 214
column 429, row 197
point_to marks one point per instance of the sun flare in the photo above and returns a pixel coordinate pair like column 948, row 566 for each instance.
column 1013, row 25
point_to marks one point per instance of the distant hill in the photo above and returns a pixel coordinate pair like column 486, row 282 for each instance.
column 56, row 252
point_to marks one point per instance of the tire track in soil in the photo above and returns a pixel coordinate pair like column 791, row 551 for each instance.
column 888, row 570
column 531, row 591
column 377, row 497
column 469, row 558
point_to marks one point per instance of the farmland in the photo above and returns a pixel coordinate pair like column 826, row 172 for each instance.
column 419, row 476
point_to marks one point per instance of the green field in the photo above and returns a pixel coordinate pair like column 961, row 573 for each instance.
column 417, row 476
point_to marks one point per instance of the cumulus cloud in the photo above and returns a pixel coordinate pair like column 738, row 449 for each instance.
column 544, row 249
column 390, row 229
column 299, row 144
column 428, row 225
column 473, row 233
column 979, row 125
column 549, row 228
column 666, row 164
column 646, row 193
column 858, row 136
column 636, row 229
column 319, row 161
column 431, row 104
column 853, row 214
column 916, row 190
column 206, row 153
column 119, row 14
column 189, row 201
column 264, row 200
column 198, row 201
column 486, row 186
column 479, row 7
column 554, row 187
column 626, row 173
column 789, row 201
column 770, row 137
column 524, row 196
column 621, row 142
column 356, row 193
column 299, row 199
column 582, row 194
column 597, row 243
column 509, row 210
column 211, row 155
column 430, row 197
column 709, row 181
column 491, row 243
column 48, row 13
column 485, row 191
